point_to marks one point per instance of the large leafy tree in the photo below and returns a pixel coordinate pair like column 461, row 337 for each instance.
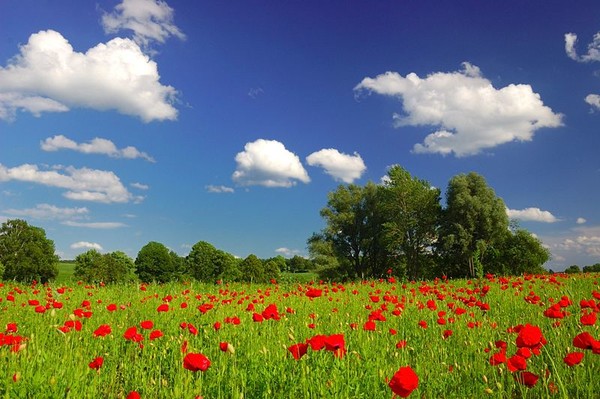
column 354, row 228
column 207, row 263
column 474, row 222
column 26, row 253
column 253, row 270
column 155, row 262
column 412, row 209
column 92, row 266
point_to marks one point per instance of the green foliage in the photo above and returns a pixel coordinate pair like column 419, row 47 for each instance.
column 207, row 263
column 573, row 269
column 93, row 267
column 253, row 270
column 595, row 268
column 26, row 253
column 474, row 220
column 412, row 212
column 155, row 262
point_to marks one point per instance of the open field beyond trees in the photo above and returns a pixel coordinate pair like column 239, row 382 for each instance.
column 517, row 337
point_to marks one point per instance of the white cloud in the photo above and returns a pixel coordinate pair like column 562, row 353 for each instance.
column 470, row 114
column 340, row 166
column 593, row 53
column 96, row 146
column 49, row 76
column 140, row 186
column 581, row 220
column 95, row 225
column 218, row 189
column 532, row 215
column 86, row 245
column 150, row 20
column 287, row 252
column 49, row 212
column 81, row 184
column 268, row 163
column 593, row 100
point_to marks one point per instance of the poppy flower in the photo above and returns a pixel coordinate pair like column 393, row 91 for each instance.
column 369, row 326
column 317, row 342
column 404, row 381
column 447, row 333
column 401, row 344
column 298, row 350
column 102, row 331
column 584, row 341
column 588, row 319
column 11, row 328
column 258, row 318
column 147, row 324
column 196, row 362
column 223, row 346
column 96, row 363
column 526, row 378
column 133, row 395
column 336, row 344
column 498, row 358
column 516, row 362
column 529, row 336
column 155, row 334
column 573, row 358
column 163, row 307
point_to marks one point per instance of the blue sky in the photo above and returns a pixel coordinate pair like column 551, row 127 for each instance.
column 124, row 122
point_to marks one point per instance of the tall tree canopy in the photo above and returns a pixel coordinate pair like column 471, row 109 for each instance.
column 474, row 221
column 207, row 263
column 26, row 253
column 94, row 267
column 155, row 262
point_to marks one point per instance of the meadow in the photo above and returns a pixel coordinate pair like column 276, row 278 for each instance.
column 514, row 337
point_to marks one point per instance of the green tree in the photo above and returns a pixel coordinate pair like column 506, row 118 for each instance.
column 412, row 208
column 93, row 267
column 592, row 269
column 207, row 263
column 26, row 253
column 321, row 253
column 354, row 228
column 573, row 269
column 253, row 270
column 154, row 262
column 473, row 222
column 271, row 270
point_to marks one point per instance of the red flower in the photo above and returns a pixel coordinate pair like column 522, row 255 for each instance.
column 447, row 333
column 369, row 326
column 223, row 346
column 155, row 334
column 133, row 395
column 423, row 324
column 573, row 358
column 516, row 362
column 102, row 331
column 529, row 336
column 163, row 308
column 96, row 363
column 498, row 358
column 11, row 328
column 313, row 293
column 257, row 317
column 317, row 342
column 404, row 381
column 588, row 319
column 585, row 341
column 526, row 378
column 336, row 344
column 111, row 308
column 147, row 324
column 217, row 326
column 401, row 344
column 196, row 362
column 298, row 350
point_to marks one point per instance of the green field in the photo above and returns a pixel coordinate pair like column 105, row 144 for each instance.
column 450, row 335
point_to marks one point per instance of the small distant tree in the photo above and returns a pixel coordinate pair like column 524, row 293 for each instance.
column 154, row 262
column 26, row 253
column 592, row 269
column 207, row 263
column 573, row 269
column 252, row 270
column 271, row 270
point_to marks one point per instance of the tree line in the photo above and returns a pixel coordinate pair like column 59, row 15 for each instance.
column 398, row 227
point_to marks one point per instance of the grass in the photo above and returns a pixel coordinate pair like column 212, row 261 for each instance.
column 54, row 364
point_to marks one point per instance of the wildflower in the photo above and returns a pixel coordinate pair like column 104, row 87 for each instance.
column 298, row 350
column 573, row 358
column 404, row 381
column 96, row 363
column 196, row 362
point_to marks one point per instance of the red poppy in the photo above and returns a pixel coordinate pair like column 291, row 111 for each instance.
column 133, row 395
column 529, row 336
column 156, row 334
column 498, row 358
column 196, row 362
column 369, row 326
column 573, row 358
column 401, row 344
column 584, row 341
column 163, row 308
column 526, row 378
column 257, row 317
column 588, row 319
column 516, row 362
column 404, row 381
column 317, row 342
column 223, row 346
column 96, row 363
column 11, row 328
column 102, row 331
column 336, row 344
column 447, row 333
column 147, row 324
column 298, row 350
column 313, row 293
column 423, row 324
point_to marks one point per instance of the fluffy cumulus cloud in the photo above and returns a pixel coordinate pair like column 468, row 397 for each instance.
column 340, row 166
column 268, row 163
column 584, row 240
column 82, row 184
column 86, row 245
column 581, row 220
column 48, row 75
column 593, row 100
column 95, row 146
column 287, row 251
column 469, row 113
column 49, row 212
column 532, row 215
column 149, row 20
